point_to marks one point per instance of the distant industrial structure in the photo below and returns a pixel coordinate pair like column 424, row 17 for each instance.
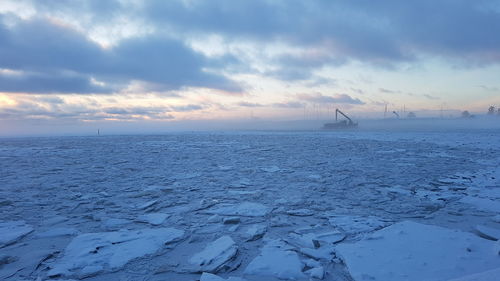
column 343, row 124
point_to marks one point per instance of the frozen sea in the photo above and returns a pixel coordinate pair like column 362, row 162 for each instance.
column 252, row 206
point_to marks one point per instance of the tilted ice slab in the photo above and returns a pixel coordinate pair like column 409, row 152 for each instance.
column 246, row 209
column 92, row 253
column 215, row 255
column 153, row 218
column 413, row 251
column 11, row 231
column 276, row 260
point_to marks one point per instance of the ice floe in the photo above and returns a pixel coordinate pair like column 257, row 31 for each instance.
column 276, row 260
column 254, row 232
column 91, row 253
column 215, row 255
column 414, row 251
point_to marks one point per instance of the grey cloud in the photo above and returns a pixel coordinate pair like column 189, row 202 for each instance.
column 66, row 58
column 186, row 108
column 249, row 104
column 320, row 98
column 380, row 32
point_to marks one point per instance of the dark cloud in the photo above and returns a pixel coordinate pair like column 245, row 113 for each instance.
column 380, row 32
column 44, row 83
column 58, row 59
column 320, row 98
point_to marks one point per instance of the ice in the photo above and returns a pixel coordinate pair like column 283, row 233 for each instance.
column 489, row 275
column 215, row 255
column 246, row 209
column 153, row 218
column 488, row 232
column 254, row 232
column 414, row 251
column 12, row 231
column 316, row 192
column 276, row 260
column 231, row 220
column 114, row 223
column 147, row 204
column 58, row 231
column 317, row 272
column 212, row 277
column 482, row 203
column 270, row 169
column 300, row 212
column 92, row 253
column 357, row 224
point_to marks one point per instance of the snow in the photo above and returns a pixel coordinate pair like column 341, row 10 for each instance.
column 92, row 253
column 12, row 231
column 276, row 260
column 215, row 255
column 312, row 193
column 414, row 251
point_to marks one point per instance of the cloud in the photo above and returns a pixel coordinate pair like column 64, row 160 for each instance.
column 379, row 32
column 320, row 98
column 187, row 108
column 291, row 104
column 57, row 59
column 249, row 104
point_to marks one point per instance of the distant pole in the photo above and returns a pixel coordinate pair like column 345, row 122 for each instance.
column 385, row 111
column 98, row 132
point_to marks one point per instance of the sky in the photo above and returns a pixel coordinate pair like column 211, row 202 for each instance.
column 88, row 63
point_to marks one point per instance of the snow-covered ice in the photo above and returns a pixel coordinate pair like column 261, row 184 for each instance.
column 414, row 251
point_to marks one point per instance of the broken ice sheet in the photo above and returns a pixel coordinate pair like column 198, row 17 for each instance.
column 414, row 252
column 276, row 260
column 215, row 255
column 91, row 253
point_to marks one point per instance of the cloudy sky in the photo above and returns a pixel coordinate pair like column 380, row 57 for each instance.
column 94, row 61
